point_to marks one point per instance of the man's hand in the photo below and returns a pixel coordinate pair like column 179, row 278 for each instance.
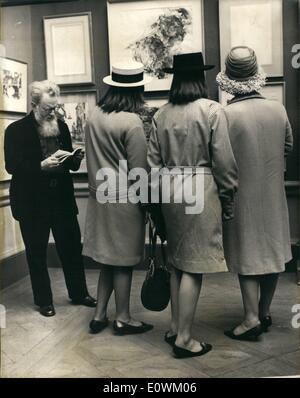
column 49, row 163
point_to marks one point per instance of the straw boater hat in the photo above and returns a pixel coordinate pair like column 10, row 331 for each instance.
column 190, row 62
column 130, row 74
column 242, row 74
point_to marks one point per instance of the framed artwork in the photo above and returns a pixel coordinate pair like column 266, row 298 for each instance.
column 6, row 3
column 272, row 91
column 13, row 78
column 5, row 121
column 257, row 24
column 69, row 54
column 152, row 32
column 74, row 109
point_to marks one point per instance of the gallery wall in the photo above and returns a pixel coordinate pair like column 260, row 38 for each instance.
column 22, row 33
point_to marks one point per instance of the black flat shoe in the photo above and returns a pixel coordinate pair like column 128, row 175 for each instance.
column 130, row 329
column 183, row 353
column 170, row 339
column 88, row 301
column 250, row 335
column 98, row 326
column 47, row 310
column 266, row 322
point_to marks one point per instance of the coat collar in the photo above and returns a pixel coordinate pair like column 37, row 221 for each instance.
column 244, row 97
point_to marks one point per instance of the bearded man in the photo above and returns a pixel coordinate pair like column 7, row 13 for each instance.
column 42, row 195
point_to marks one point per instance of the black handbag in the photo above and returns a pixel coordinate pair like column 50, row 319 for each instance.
column 155, row 293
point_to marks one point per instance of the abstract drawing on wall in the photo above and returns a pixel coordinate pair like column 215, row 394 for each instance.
column 152, row 32
column 13, row 78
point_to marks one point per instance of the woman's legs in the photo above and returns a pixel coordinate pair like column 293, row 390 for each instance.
column 122, row 287
column 250, row 293
column 105, row 288
column 175, row 284
column 268, row 285
column 189, row 291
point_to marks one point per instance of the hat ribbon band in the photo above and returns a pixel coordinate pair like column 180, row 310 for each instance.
column 116, row 77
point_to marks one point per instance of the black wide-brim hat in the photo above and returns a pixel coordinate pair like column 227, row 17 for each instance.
column 190, row 62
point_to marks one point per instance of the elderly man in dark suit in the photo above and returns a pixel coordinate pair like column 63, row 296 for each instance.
column 42, row 195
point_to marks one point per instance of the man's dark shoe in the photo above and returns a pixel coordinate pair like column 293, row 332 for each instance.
column 47, row 310
column 88, row 301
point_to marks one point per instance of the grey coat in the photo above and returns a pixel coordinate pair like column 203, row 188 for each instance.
column 257, row 240
column 195, row 136
column 114, row 232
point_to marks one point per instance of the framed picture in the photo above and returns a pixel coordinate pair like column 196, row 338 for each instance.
column 257, row 24
column 5, row 121
column 13, row 77
column 272, row 91
column 69, row 54
column 75, row 109
column 153, row 31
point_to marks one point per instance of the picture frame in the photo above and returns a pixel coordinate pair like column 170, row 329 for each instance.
column 5, row 121
column 272, row 90
column 152, row 32
column 69, row 50
column 257, row 24
column 74, row 109
column 13, row 92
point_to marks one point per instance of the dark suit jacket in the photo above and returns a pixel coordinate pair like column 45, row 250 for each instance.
column 23, row 156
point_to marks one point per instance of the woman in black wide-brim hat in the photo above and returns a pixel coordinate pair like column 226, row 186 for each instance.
column 257, row 242
column 190, row 134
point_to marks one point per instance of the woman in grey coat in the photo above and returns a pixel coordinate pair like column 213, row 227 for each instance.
column 190, row 140
column 115, row 225
column 257, row 241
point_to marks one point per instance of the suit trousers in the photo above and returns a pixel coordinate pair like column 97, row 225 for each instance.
column 35, row 231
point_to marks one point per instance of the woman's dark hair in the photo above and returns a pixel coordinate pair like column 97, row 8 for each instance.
column 127, row 99
column 188, row 87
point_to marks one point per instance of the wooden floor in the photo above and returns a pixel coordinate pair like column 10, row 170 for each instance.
column 34, row 346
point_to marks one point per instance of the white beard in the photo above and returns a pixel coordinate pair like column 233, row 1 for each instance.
column 48, row 128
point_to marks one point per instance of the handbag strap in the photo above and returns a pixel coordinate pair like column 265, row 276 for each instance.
column 153, row 242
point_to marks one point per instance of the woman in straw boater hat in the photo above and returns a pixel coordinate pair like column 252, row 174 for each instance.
column 257, row 240
column 190, row 132
column 115, row 230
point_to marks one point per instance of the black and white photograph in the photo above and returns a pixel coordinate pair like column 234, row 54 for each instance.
column 149, row 194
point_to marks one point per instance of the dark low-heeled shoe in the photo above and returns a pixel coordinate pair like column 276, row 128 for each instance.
column 183, row 353
column 126, row 328
column 250, row 335
column 266, row 322
column 170, row 339
column 47, row 310
column 98, row 326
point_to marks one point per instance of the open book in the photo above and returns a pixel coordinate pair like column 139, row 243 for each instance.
column 66, row 155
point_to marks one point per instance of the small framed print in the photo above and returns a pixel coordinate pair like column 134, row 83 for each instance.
column 69, row 53
column 5, row 121
column 74, row 109
column 257, row 24
column 13, row 77
column 274, row 91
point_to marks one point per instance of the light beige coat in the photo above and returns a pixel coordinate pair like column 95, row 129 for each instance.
column 196, row 135
column 257, row 240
